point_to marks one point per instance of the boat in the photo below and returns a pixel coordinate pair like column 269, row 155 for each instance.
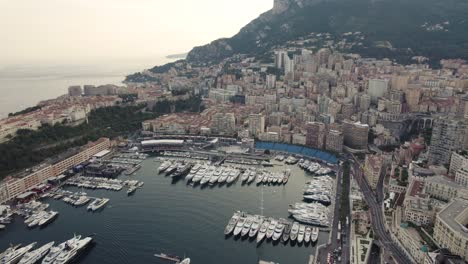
column 259, row 179
column 97, row 204
column 171, row 169
column 224, row 176
column 182, row 170
column 245, row 176
column 14, row 256
column 294, row 231
column 72, row 250
column 233, row 176
column 54, row 252
column 35, row 255
column 232, row 223
column 205, row 179
column 82, row 200
column 300, row 235
column 252, row 176
column 214, row 178
column 308, row 232
column 271, row 228
column 262, row 231
column 9, row 250
column 286, row 175
column 48, row 218
column 248, row 223
column 279, row 229
column 287, row 231
column 164, row 166
column 131, row 189
column 314, row 235
column 185, row 261
column 170, row 257
column 256, row 226
column 321, row 198
column 239, row 225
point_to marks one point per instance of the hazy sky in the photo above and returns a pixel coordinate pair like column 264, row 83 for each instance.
column 89, row 30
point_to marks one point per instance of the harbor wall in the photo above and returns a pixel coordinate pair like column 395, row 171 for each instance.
column 297, row 149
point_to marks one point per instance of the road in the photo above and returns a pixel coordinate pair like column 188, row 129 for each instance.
column 375, row 207
column 338, row 248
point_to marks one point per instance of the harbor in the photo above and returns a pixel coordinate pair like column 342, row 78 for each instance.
column 176, row 216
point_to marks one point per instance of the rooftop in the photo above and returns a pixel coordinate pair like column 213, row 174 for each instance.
column 455, row 215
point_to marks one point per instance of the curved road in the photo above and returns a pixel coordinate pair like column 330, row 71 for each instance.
column 377, row 216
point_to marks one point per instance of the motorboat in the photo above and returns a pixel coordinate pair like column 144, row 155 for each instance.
column 247, row 225
column 72, row 250
column 262, row 231
column 239, row 225
column 279, row 229
column 48, row 218
column 308, row 232
column 294, row 231
column 255, row 226
column 97, row 204
column 287, row 231
column 314, row 235
column 301, row 234
column 232, row 223
column 14, row 256
column 271, row 228
column 35, row 255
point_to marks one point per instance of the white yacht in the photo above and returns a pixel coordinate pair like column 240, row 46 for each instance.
column 72, row 250
column 47, row 218
column 255, row 226
column 301, row 234
column 294, row 231
column 262, row 231
column 271, row 228
column 314, row 235
column 279, row 229
column 14, row 256
column 35, row 255
column 308, row 232
column 56, row 251
column 247, row 225
column 185, row 261
column 97, row 204
column 239, row 225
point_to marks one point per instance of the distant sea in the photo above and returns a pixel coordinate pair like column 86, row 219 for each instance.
column 24, row 85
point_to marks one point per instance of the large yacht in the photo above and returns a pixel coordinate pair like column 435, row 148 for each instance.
column 294, row 231
column 271, row 228
column 247, row 226
column 287, row 231
column 301, row 234
column 72, row 250
column 262, row 231
column 279, row 229
column 232, row 223
column 255, row 226
column 35, row 255
column 97, row 204
column 239, row 225
column 56, row 251
column 14, row 256
column 47, row 218
column 308, row 232
column 314, row 235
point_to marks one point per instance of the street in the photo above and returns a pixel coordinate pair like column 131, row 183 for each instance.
column 375, row 207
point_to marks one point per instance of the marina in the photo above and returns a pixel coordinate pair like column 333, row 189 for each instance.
column 154, row 215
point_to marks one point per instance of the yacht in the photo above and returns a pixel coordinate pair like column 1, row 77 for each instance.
column 189, row 176
column 255, row 226
column 82, row 200
column 35, row 255
column 206, row 178
column 131, row 189
column 164, row 166
column 182, row 170
column 233, row 176
column 279, row 229
column 14, row 256
column 321, row 198
column 259, row 179
column 300, row 235
column 308, row 232
column 97, row 204
column 271, row 228
column 55, row 251
column 252, row 176
column 171, row 169
column 197, row 178
column 47, row 218
column 232, row 223
column 262, row 231
column 9, row 250
column 245, row 176
column 72, row 250
column 224, row 176
column 294, row 231
column 239, row 225
column 185, row 261
column 247, row 225
column 286, row 175
column 214, row 178
column 314, row 235
column 287, row 231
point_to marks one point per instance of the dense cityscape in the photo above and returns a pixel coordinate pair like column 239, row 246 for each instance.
column 380, row 148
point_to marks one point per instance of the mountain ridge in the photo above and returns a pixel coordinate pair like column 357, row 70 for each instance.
column 412, row 27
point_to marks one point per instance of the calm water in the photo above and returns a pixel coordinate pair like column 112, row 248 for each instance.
column 22, row 86
column 172, row 218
